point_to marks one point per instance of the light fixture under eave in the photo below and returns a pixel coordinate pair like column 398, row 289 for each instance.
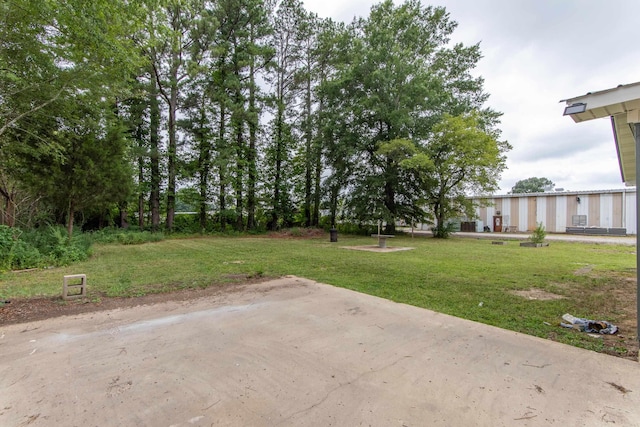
column 580, row 107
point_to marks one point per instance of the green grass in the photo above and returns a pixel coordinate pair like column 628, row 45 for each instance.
column 467, row 278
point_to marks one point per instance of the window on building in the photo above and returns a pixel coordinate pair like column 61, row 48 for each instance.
column 579, row 220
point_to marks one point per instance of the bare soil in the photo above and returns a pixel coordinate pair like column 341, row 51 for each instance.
column 537, row 294
column 23, row 310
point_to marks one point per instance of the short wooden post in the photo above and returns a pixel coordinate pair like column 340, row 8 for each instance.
column 67, row 285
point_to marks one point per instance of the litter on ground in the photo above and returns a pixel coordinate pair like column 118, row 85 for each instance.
column 589, row 326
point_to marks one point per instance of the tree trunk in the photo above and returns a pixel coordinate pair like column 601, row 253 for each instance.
column 390, row 204
column 222, row 170
column 333, row 205
column 238, row 124
column 154, row 157
column 140, row 160
column 204, row 167
column 308, row 152
column 252, row 152
column 70, row 215
column 239, row 178
column 9, row 216
column 315, row 219
column 141, row 194
column 172, row 152
column 123, row 215
column 275, row 214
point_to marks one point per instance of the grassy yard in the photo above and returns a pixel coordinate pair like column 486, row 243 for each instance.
column 468, row 278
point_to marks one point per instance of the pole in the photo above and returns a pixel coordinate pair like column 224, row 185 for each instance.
column 637, row 135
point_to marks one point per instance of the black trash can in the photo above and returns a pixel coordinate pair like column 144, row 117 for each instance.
column 333, row 233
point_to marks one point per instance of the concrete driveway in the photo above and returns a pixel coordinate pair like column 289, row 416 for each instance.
column 292, row 352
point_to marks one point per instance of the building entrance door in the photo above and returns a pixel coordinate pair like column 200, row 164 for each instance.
column 497, row 224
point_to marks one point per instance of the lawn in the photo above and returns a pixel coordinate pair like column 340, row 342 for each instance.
column 468, row 278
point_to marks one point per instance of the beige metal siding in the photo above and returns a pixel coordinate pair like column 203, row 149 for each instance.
column 483, row 215
column 550, row 220
column 498, row 205
column 593, row 218
column 572, row 209
column 515, row 210
column 617, row 210
column 531, row 213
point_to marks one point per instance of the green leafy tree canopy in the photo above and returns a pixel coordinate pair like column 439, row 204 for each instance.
column 532, row 185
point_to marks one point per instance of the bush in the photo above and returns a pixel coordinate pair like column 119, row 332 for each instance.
column 538, row 234
column 443, row 231
column 36, row 248
column 16, row 253
column 187, row 224
column 23, row 256
column 357, row 228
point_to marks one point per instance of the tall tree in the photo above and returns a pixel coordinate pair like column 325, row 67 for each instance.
column 309, row 29
column 461, row 158
column 175, row 30
column 90, row 170
column 136, row 114
column 403, row 77
column 287, row 40
column 533, row 185
column 53, row 54
column 154, row 153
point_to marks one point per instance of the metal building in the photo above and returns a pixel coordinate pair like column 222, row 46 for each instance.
column 589, row 212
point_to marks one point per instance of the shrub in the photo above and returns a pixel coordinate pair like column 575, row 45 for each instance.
column 357, row 228
column 15, row 251
column 23, row 256
column 443, row 231
column 187, row 224
column 36, row 248
column 538, row 234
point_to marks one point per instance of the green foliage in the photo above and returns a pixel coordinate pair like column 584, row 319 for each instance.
column 538, row 234
column 532, row 185
column 384, row 102
column 39, row 248
column 443, row 230
column 462, row 157
column 346, row 120
column 357, row 229
column 14, row 252
column 187, row 224
column 125, row 237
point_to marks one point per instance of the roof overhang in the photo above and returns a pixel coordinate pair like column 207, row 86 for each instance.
column 622, row 104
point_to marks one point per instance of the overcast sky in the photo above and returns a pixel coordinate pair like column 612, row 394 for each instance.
column 536, row 53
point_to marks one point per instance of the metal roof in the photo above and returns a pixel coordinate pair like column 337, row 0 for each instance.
column 555, row 193
column 616, row 103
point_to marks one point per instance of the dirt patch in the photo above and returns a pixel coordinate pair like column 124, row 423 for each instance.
column 24, row 310
column 376, row 248
column 584, row 270
column 537, row 294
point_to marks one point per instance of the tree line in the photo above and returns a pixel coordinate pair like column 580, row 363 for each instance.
column 256, row 114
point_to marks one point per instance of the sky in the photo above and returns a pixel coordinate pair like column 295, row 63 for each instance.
column 535, row 54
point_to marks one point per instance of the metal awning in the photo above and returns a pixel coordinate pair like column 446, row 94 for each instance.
column 622, row 104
